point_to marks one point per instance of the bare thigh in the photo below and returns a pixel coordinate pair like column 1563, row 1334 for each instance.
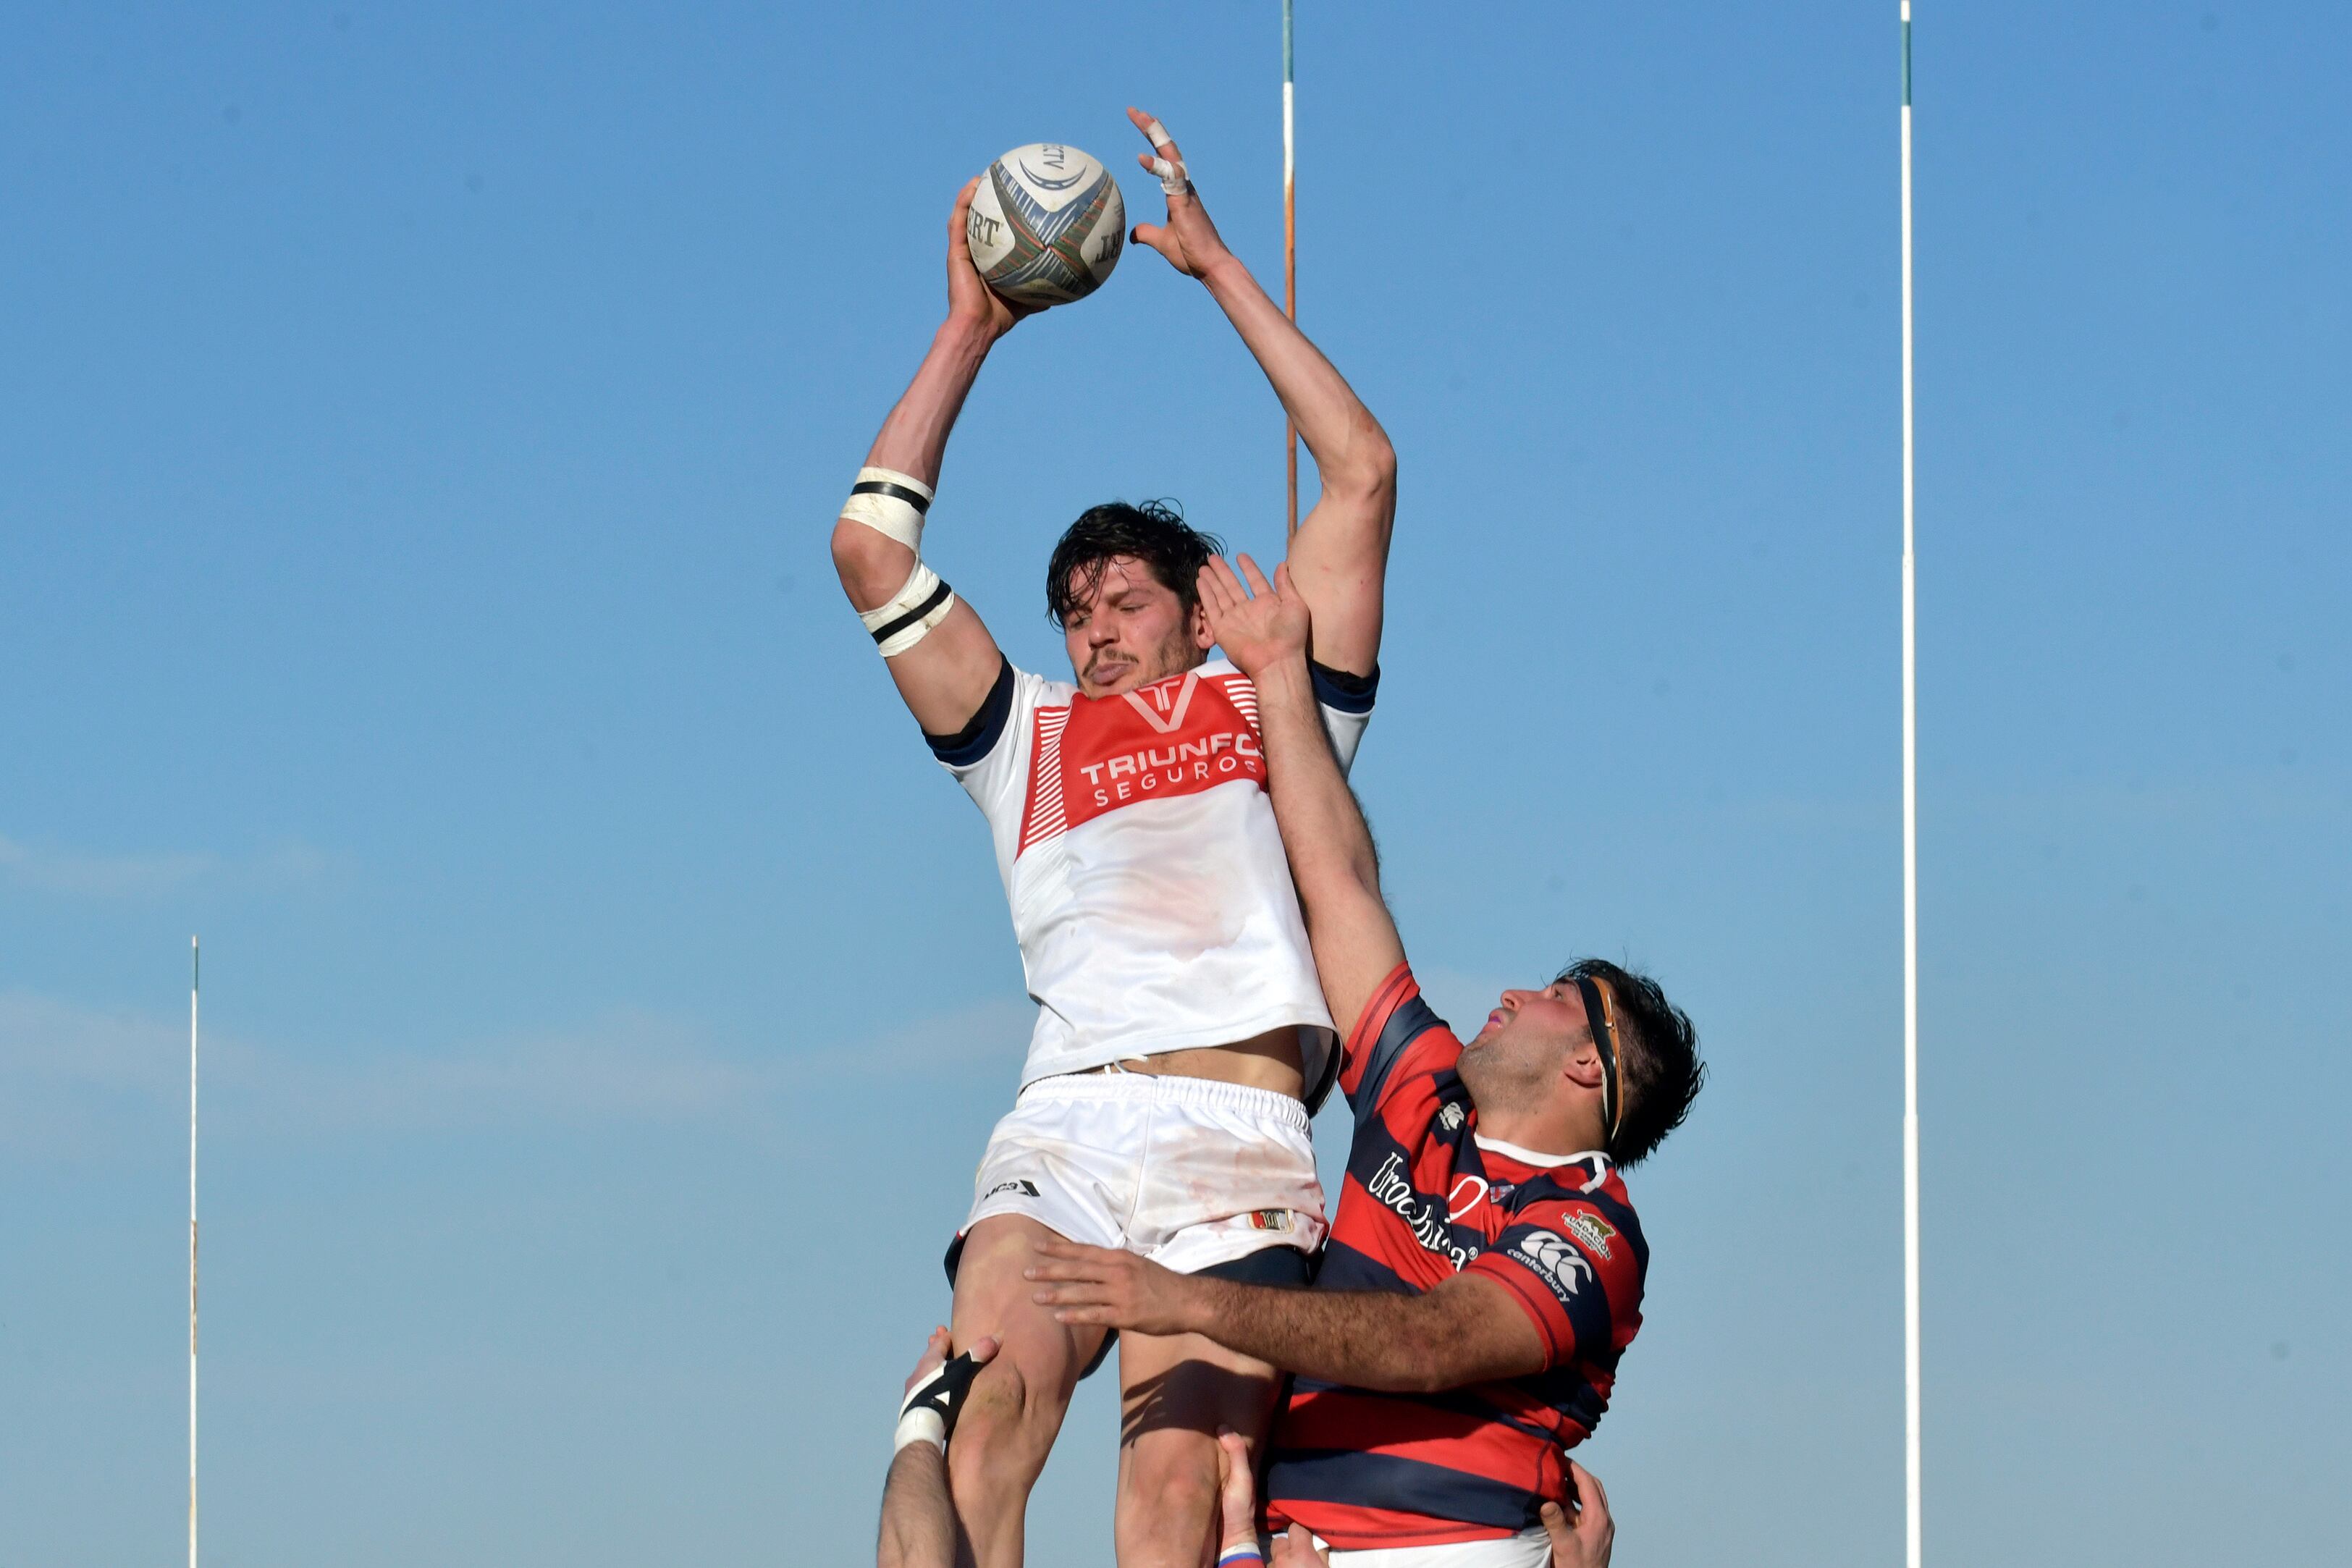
column 1015, row 1407
column 1175, row 1392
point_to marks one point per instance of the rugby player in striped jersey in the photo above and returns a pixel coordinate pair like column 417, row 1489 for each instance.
column 1485, row 1267
column 1181, row 1037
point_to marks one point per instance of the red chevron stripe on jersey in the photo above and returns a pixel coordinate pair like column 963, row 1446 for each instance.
column 1174, row 737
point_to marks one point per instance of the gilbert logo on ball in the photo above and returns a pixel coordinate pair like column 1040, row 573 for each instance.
column 1047, row 226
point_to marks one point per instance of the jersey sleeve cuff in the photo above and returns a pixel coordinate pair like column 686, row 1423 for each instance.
column 1537, row 1302
column 1343, row 692
column 1386, row 998
column 968, row 745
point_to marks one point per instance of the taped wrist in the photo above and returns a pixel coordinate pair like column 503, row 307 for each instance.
column 910, row 613
column 928, row 1413
column 920, row 1426
column 890, row 503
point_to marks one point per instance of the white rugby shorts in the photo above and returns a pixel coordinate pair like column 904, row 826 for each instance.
column 1529, row 1549
column 1187, row 1172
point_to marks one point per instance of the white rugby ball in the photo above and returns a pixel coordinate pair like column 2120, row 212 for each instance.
column 1047, row 224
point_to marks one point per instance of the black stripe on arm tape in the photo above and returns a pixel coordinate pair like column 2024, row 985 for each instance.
column 916, row 499
column 890, row 629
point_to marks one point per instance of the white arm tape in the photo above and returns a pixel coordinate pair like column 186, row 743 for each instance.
column 890, row 503
column 912, row 613
column 1172, row 178
column 921, row 1425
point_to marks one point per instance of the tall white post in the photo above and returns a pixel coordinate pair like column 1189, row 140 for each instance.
column 194, row 979
column 1289, row 255
column 1910, row 899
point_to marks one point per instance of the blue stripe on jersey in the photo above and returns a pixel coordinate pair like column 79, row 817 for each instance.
column 1358, row 1476
column 1628, row 1226
column 1345, row 1268
column 968, row 745
column 1376, row 1141
column 1407, row 1024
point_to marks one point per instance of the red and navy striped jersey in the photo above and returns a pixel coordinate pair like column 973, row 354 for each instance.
column 1425, row 1198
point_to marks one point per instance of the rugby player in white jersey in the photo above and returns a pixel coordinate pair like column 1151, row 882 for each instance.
column 1182, row 1034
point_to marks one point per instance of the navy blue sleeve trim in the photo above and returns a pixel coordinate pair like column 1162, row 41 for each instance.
column 1412, row 1020
column 1348, row 693
column 978, row 738
column 1334, row 1056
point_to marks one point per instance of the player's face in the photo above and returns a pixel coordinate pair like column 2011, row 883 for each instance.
column 1517, row 1058
column 1131, row 631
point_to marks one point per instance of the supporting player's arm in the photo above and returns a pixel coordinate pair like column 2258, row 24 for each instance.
column 919, row 1523
column 1332, row 861
column 1467, row 1329
column 940, row 654
column 1339, row 559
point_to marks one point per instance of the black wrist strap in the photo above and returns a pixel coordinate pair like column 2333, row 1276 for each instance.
column 943, row 1391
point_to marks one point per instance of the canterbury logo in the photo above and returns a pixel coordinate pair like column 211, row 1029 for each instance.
column 1561, row 1265
column 1164, row 713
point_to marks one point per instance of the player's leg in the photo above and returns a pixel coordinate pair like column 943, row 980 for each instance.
column 1015, row 1407
column 1228, row 1188
column 1175, row 1393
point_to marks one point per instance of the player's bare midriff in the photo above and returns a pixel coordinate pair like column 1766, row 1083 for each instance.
column 1268, row 1061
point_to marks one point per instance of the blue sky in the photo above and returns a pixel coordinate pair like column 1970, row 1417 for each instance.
column 423, row 427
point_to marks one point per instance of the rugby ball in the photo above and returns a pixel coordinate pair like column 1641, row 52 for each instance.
column 1047, row 224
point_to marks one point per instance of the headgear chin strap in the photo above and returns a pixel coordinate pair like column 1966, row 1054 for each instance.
column 1601, row 1014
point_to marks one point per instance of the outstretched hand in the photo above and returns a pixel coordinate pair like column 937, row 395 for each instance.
column 970, row 299
column 1256, row 632
column 1188, row 241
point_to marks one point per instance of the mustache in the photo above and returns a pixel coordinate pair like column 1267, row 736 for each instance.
column 1160, row 661
column 1111, row 656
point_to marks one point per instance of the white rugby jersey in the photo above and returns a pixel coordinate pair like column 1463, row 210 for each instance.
column 1139, row 851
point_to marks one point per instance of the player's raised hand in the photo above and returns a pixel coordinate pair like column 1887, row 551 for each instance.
column 1585, row 1541
column 1102, row 1284
column 1255, row 631
column 1189, row 241
column 970, row 299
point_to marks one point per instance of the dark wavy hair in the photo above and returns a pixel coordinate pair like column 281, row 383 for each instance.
column 1152, row 532
column 1658, row 1066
